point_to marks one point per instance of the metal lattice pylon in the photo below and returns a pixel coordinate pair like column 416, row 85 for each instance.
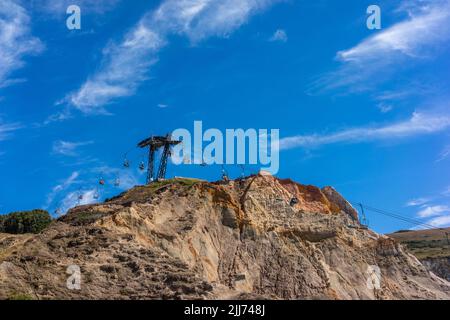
column 363, row 219
column 154, row 143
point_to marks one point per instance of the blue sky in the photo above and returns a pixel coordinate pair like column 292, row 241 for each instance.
column 366, row 111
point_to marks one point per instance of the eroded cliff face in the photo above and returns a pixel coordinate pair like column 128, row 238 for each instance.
column 430, row 246
column 258, row 237
column 440, row 266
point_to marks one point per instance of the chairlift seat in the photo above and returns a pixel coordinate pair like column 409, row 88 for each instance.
column 293, row 201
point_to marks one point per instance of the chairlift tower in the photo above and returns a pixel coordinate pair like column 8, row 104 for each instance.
column 363, row 219
column 154, row 143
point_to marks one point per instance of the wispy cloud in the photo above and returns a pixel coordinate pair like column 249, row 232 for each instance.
column 6, row 129
column 75, row 190
column 279, row 35
column 67, row 148
column 16, row 40
column 417, row 202
column 76, row 198
column 59, row 116
column 127, row 178
column 437, row 215
column 125, row 65
column 423, row 28
column 431, row 211
column 384, row 108
column 444, row 154
column 200, row 19
column 439, row 222
column 61, row 187
column 414, row 38
column 418, row 124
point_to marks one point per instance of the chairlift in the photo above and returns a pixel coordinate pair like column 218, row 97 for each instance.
column 293, row 201
column 101, row 181
column 142, row 166
column 364, row 223
column 117, row 182
column 224, row 174
column 126, row 163
column 96, row 196
column 80, row 196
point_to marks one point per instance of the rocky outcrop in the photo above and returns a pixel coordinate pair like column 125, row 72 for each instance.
column 334, row 197
column 440, row 266
column 183, row 239
column 430, row 246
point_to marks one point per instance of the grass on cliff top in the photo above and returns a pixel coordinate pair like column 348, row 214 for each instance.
column 425, row 243
column 141, row 193
column 429, row 251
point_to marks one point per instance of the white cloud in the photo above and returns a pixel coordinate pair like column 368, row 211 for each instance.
column 279, row 35
column 16, row 40
column 200, row 19
column 162, row 106
column 414, row 38
column 384, row 108
column 444, row 154
column 418, row 124
column 67, row 148
column 410, row 37
column 57, row 117
column 439, row 222
column 431, row 211
column 127, row 177
column 126, row 65
column 417, row 202
column 61, row 187
column 73, row 199
column 7, row 128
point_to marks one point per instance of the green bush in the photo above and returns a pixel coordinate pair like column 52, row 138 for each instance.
column 25, row 222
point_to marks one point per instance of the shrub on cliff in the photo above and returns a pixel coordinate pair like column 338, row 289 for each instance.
column 25, row 222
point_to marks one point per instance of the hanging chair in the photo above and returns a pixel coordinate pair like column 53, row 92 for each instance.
column 293, row 202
